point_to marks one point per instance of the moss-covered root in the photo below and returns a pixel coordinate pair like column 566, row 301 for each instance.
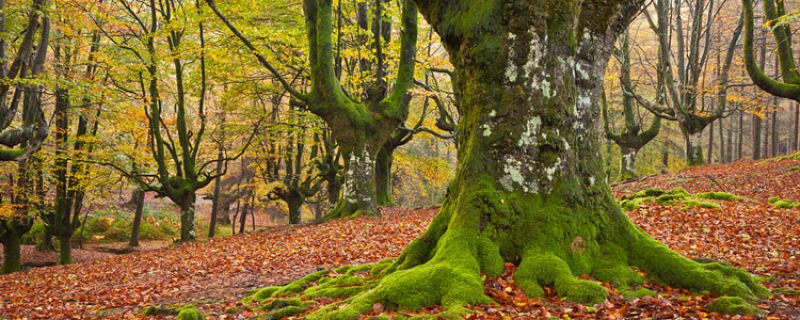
column 733, row 305
column 669, row 267
column 189, row 312
column 451, row 279
column 544, row 269
column 292, row 287
column 347, row 210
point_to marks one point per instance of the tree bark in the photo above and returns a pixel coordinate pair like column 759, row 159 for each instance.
column 756, row 137
column 216, row 198
column 295, row 203
column 11, row 253
column 711, row 143
column 65, row 249
column 358, row 194
column 383, row 176
column 137, row 217
column 796, row 135
column 187, row 218
column 627, row 164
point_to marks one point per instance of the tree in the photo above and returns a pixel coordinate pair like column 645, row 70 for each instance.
column 529, row 188
column 360, row 128
column 631, row 138
column 21, row 85
column 684, row 93
column 789, row 86
column 173, row 143
column 291, row 155
column 69, row 171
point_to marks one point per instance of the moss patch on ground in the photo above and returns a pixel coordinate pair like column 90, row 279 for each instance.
column 676, row 196
column 783, row 203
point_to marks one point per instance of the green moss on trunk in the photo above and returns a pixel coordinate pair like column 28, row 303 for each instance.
column 11, row 253
column 383, row 177
column 65, row 251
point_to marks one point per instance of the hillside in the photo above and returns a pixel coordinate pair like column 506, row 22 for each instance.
column 215, row 275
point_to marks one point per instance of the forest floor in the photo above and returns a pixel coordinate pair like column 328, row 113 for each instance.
column 215, row 275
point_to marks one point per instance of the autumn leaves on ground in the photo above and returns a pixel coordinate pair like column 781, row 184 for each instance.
column 216, row 275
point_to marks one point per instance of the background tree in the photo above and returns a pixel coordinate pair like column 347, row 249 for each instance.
column 685, row 78
column 631, row 138
column 22, row 85
column 360, row 127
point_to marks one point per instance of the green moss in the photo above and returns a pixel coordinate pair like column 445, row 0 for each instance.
column 189, row 312
column 733, row 305
column 284, row 312
column 719, row 196
column 292, row 287
column 785, row 204
column 701, row 204
column 538, row 269
column 159, row 311
column 489, row 257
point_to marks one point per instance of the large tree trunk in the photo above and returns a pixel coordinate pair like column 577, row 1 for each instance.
column 295, row 203
column 358, row 195
column 65, row 250
column 187, row 218
column 383, row 176
column 11, row 252
column 694, row 147
column 529, row 188
column 627, row 163
column 138, row 196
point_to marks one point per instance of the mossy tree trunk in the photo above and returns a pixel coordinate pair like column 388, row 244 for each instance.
column 383, row 176
column 187, row 217
column 359, row 127
column 11, row 231
column 529, row 188
column 295, row 203
column 11, row 253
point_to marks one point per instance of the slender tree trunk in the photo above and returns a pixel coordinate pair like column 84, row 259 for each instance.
column 711, row 143
column 796, row 135
column 216, row 198
column 729, row 143
column 47, row 240
column 756, row 137
column 721, row 158
column 383, row 176
column 775, row 140
column 243, row 216
column 137, row 217
column 740, row 137
column 187, row 218
column 765, row 147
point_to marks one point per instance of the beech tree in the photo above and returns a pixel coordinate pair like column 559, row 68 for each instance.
column 20, row 85
column 359, row 126
column 681, row 65
column 788, row 85
column 529, row 188
column 631, row 137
